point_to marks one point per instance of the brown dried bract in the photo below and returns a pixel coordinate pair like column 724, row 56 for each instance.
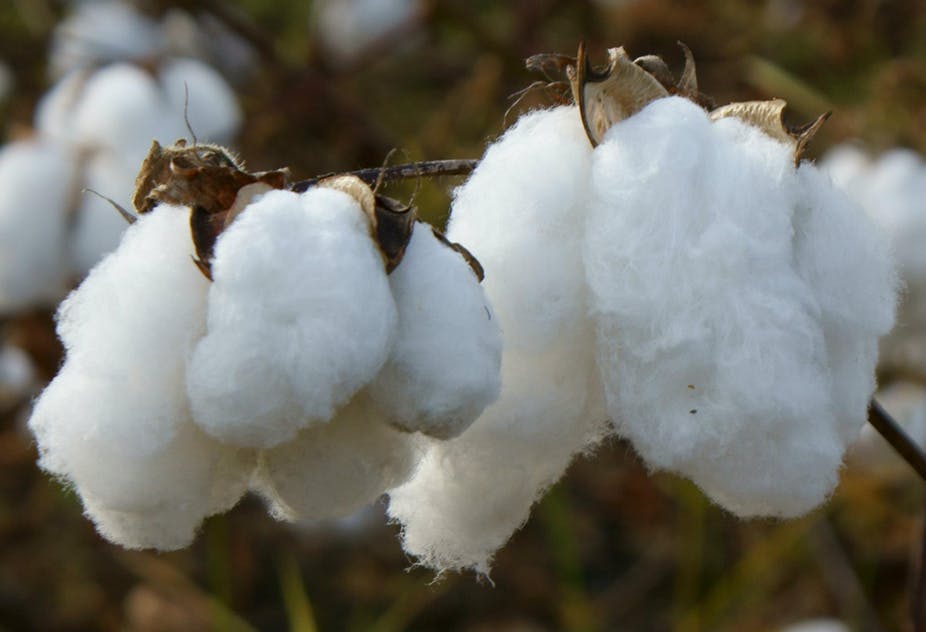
column 767, row 116
column 208, row 179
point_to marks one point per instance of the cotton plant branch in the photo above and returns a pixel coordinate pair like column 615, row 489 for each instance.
column 899, row 440
column 406, row 171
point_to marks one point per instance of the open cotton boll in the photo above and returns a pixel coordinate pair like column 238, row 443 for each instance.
column 518, row 215
column 102, row 32
column 37, row 183
column 300, row 317
column 98, row 226
column 710, row 345
column 115, row 421
column 333, row 469
column 444, row 367
column 521, row 214
column 348, row 28
column 212, row 108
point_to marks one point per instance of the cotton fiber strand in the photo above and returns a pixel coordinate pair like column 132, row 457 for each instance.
column 518, row 214
column 37, row 182
column 332, row 470
column 724, row 333
column 444, row 367
column 300, row 317
column 115, row 422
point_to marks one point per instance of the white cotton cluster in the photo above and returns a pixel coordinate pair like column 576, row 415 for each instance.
column 444, row 367
column 738, row 303
column 94, row 128
column 115, row 422
column 18, row 377
column 891, row 188
column 37, row 181
column 300, row 318
column 521, row 215
column 347, row 29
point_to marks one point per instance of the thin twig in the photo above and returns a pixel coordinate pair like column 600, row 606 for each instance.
column 424, row 169
column 906, row 447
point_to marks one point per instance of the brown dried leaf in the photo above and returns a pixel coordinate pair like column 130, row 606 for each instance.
column 466, row 254
column 609, row 95
column 767, row 116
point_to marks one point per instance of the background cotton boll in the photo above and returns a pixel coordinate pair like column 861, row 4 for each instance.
column 331, row 470
column 300, row 317
column 98, row 226
column 17, row 376
column 212, row 108
column 519, row 214
column 444, row 367
column 709, row 343
column 37, row 184
column 349, row 28
column 817, row 625
column 101, row 32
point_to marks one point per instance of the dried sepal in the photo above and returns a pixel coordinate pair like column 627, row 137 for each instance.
column 470, row 259
column 610, row 95
column 768, row 117
column 207, row 178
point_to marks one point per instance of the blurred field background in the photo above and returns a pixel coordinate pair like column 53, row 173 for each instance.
column 611, row 547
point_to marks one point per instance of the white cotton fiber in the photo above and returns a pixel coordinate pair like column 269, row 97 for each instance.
column 521, row 215
column 347, row 29
column 37, row 183
column 444, row 367
column 723, row 333
column 331, row 470
column 891, row 189
column 300, row 318
column 115, row 421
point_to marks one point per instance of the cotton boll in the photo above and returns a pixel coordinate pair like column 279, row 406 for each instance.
column 817, row 625
column 98, row 225
column 115, row 421
column 444, row 368
column 36, row 187
column 101, row 32
column 17, row 375
column 212, row 109
column 300, row 318
column 54, row 112
column 521, row 214
column 348, row 28
column 847, row 262
column 331, row 470
column 518, row 214
column 712, row 356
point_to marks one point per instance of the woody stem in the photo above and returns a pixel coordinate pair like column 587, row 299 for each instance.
column 906, row 447
column 423, row 169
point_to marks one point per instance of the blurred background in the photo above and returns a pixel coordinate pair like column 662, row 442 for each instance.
column 335, row 85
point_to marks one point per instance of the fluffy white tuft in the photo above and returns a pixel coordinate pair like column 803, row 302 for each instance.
column 300, row 318
column 37, row 182
column 444, row 367
column 521, row 215
column 331, row 470
column 115, row 421
column 725, row 333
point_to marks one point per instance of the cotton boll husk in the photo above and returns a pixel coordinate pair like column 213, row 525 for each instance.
column 98, row 225
column 115, row 421
column 37, row 182
column 300, row 317
column 444, row 367
column 101, row 32
column 212, row 108
column 518, row 214
column 711, row 353
column 333, row 469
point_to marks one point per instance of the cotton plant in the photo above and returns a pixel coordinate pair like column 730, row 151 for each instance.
column 676, row 269
column 185, row 385
column 94, row 127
